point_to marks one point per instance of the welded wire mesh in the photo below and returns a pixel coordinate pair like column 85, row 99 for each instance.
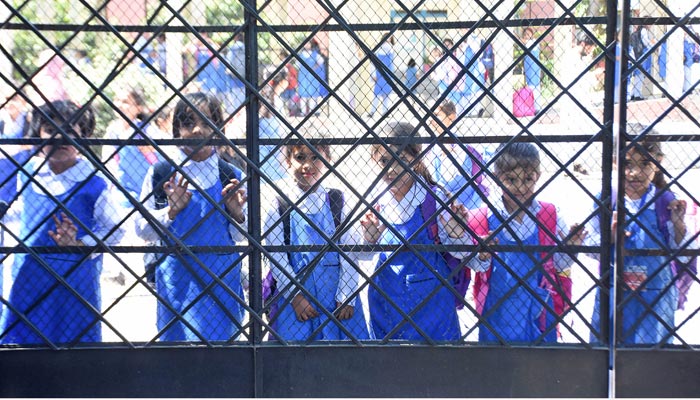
column 240, row 172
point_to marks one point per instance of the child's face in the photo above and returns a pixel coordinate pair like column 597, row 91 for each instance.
column 446, row 119
column 639, row 172
column 60, row 156
column 305, row 166
column 393, row 169
column 127, row 105
column 518, row 184
column 195, row 128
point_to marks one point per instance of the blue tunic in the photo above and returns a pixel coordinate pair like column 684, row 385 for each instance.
column 408, row 282
column 513, row 310
column 62, row 312
column 639, row 324
column 532, row 68
column 321, row 282
column 186, row 286
column 381, row 85
column 309, row 85
column 474, row 77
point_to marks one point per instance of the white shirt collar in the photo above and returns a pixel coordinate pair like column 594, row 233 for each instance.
column 199, row 171
column 58, row 184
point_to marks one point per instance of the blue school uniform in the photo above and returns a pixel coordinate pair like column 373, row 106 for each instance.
column 515, row 300
column 322, row 282
column 639, row 324
column 408, row 283
column 185, row 284
column 309, row 85
column 62, row 313
column 386, row 59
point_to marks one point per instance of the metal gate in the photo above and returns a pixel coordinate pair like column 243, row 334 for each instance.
column 349, row 198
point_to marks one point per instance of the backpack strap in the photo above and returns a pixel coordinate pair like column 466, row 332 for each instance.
column 228, row 171
column 476, row 160
column 336, row 202
column 162, row 171
column 461, row 278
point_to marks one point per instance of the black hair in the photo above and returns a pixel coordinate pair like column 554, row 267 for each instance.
column 63, row 112
column 207, row 104
column 411, row 63
column 404, row 130
column 649, row 145
column 510, row 156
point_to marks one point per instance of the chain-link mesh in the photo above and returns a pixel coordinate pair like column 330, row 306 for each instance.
column 241, row 172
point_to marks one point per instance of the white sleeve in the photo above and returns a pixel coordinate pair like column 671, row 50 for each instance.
column 144, row 229
column 107, row 214
column 687, row 240
column 562, row 261
column 445, row 237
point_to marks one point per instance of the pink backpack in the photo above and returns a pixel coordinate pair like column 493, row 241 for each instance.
column 558, row 285
column 524, row 102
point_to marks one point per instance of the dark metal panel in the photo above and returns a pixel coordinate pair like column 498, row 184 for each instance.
column 657, row 373
column 171, row 372
column 433, row 372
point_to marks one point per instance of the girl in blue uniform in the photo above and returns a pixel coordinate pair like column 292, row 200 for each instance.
column 515, row 303
column 200, row 296
column 649, row 293
column 406, row 281
column 55, row 297
column 329, row 278
column 454, row 178
column 310, row 87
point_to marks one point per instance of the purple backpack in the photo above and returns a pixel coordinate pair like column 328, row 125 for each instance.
column 461, row 278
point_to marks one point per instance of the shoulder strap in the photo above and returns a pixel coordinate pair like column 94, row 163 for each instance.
column 548, row 216
column 336, row 201
column 427, row 209
column 228, row 171
column 161, row 173
column 663, row 214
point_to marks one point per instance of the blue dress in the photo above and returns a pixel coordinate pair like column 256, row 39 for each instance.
column 381, row 85
column 474, row 76
column 639, row 324
column 321, row 282
column 511, row 310
column 63, row 312
column 308, row 85
column 408, row 282
column 186, row 284
column 532, row 68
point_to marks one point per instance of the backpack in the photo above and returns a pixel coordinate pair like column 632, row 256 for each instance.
column 557, row 284
column 269, row 284
column 636, row 42
column 460, row 279
column 685, row 272
column 524, row 102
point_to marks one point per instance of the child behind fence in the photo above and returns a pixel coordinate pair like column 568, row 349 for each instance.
column 413, row 282
column 311, row 215
column 200, row 295
column 55, row 297
column 520, row 291
column 652, row 285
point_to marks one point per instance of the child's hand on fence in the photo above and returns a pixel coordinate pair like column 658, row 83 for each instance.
column 303, row 309
column 486, row 255
column 372, row 227
column 234, row 198
column 66, row 232
column 344, row 312
column 678, row 208
column 178, row 196
column 578, row 234
column 455, row 224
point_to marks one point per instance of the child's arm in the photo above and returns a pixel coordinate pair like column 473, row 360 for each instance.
column 682, row 236
column 348, row 282
column 107, row 215
column 235, row 200
column 144, row 230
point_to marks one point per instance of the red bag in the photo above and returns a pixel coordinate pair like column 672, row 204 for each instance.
column 524, row 102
